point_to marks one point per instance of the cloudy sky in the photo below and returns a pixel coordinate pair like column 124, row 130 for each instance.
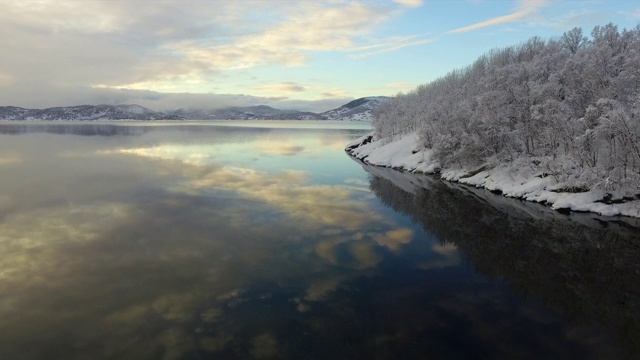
column 306, row 54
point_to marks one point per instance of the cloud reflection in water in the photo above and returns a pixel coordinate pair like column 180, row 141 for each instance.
column 190, row 245
column 166, row 264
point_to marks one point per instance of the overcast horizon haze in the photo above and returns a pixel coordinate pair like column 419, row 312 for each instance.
column 305, row 55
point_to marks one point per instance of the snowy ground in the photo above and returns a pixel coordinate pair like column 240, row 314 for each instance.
column 405, row 154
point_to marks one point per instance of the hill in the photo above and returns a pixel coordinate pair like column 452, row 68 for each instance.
column 259, row 112
column 554, row 121
column 360, row 109
column 84, row 112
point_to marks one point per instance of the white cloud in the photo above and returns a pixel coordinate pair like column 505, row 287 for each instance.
column 524, row 9
column 333, row 93
column 387, row 46
column 410, row 3
column 316, row 206
column 167, row 46
column 394, row 239
column 142, row 44
column 7, row 159
column 307, row 28
column 449, row 256
column 5, row 79
column 287, row 86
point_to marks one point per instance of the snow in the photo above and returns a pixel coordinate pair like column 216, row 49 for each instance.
column 397, row 154
column 512, row 181
column 360, row 112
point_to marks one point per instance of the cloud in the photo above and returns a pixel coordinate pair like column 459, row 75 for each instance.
column 32, row 95
column 316, row 206
column 174, row 307
column 326, row 250
column 575, row 19
column 308, row 27
column 318, row 290
column 166, row 46
column 394, row 239
column 9, row 159
column 165, row 232
column 287, row 86
column 524, row 9
column 334, row 93
column 365, row 255
column 358, row 182
column 389, row 45
column 279, row 149
column 208, row 154
column 410, row 3
column 5, row 79
column 446, row 249
column 448, row 256
column 55, row 227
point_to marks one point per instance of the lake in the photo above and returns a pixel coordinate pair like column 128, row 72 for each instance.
column 264, row 240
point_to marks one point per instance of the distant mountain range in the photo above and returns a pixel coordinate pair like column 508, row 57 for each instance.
column 83, row 112
column 259, row 112
column 360, row 109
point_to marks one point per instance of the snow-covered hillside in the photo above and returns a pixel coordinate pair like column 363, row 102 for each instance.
column 84, row 113
column 512, row 180
column 356, row 110
column 554, row 121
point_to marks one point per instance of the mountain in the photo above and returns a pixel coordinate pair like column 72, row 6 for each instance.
column 260, row 112
column 84, row 112
column 360, row 109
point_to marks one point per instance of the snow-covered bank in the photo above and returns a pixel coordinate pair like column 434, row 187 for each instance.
column 509, row 180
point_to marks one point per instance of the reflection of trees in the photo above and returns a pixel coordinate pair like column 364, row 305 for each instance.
column 591, row 274
column 191, row 133
column 114, row 128
column 74, row 129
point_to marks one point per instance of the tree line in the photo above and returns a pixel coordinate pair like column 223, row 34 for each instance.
column 567, row 107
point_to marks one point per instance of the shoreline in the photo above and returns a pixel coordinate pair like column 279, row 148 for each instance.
column 507, row 180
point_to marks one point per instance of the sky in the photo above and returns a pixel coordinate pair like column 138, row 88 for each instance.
column 308, row 55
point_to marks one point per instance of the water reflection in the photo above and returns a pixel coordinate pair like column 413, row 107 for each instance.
column 87, row 129
column 586, row 268
column 154, row 261
column 190, row 242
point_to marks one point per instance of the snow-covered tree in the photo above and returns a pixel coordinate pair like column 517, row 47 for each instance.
column 570, row 105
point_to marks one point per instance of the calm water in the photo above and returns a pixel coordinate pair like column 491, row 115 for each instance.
column 262, row 241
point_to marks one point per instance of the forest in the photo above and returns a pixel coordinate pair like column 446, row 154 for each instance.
column 567, row 107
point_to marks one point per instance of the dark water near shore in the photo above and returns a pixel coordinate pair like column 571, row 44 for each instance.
column 264, row 240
